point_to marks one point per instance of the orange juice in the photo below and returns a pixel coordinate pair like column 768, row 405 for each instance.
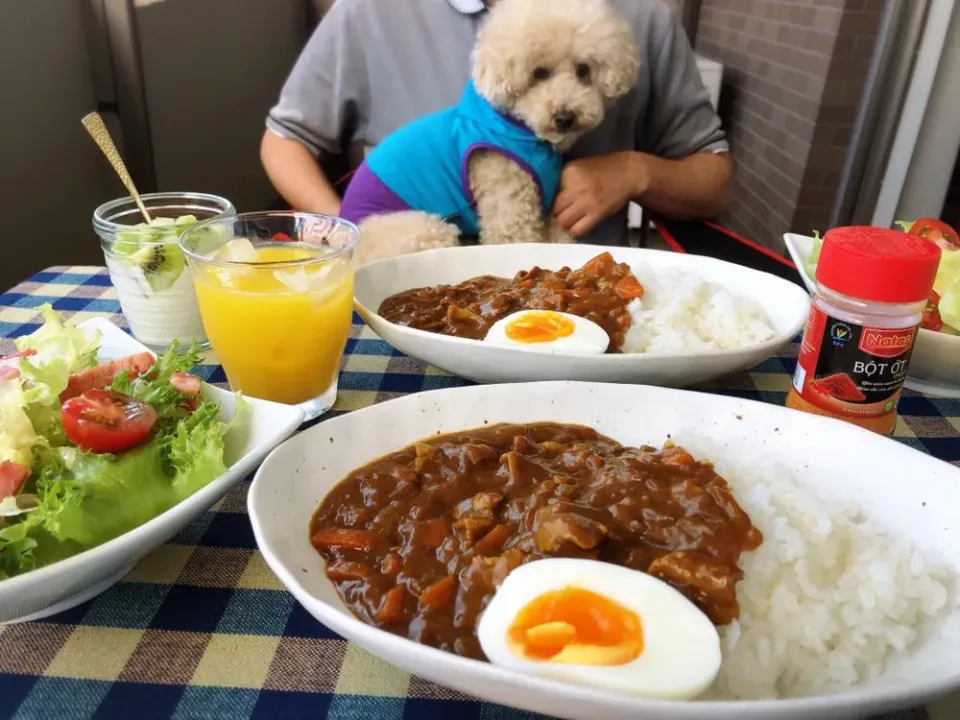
column 279, row 331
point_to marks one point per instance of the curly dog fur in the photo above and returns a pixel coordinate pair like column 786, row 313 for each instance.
column 535, row 60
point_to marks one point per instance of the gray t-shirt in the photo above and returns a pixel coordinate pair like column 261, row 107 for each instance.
column 374, row 65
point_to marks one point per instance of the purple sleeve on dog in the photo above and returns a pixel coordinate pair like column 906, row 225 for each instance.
column 368, row 195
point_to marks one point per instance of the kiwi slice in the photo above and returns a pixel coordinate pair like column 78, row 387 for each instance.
column 160, row 229
column 161, row 264
column 152, row 247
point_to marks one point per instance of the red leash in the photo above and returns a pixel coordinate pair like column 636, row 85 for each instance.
column 342, row 180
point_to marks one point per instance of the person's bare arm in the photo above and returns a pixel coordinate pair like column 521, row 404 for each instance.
column 297, row 176
column 322, row 110
column 698, row 186
column 592, row 189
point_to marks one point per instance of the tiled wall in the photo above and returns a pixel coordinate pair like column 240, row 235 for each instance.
column 793, row 75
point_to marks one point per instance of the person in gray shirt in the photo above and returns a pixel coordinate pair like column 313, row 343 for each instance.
column 372, row 66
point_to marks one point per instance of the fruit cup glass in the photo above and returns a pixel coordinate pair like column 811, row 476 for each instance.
column 147, row 268
column 276, row 296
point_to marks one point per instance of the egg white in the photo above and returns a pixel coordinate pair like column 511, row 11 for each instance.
column 681, row 647
column 587, row 337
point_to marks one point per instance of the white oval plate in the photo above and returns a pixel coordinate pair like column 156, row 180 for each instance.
column 905, row 490
column 786, row 305
column 67, row 583
column 935, row 365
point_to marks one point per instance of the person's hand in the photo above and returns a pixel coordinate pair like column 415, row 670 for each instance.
column 593, row 189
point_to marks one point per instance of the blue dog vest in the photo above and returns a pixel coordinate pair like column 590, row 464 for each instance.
column 425, row 163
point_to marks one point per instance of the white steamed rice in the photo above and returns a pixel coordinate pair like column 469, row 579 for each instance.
column 829, row 598
column 681, row 312
column 826, row 601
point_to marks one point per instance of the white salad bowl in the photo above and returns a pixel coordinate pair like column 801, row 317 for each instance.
column 867, row 475
column 65, row 584
column 935, row 365
column 786, row 306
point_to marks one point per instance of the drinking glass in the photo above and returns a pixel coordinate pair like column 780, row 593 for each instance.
column 148, row 270
column 275, row 291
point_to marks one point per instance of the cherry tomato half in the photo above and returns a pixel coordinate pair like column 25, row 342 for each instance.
column 936, row 231
column 104, row 421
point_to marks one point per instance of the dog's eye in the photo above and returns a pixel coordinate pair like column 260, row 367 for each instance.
column 541, row 73
column 583, row 71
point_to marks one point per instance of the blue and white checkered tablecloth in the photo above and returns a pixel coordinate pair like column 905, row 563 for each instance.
column 202, row 629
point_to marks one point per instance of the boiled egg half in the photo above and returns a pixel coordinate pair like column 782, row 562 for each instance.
column 550, row 332
column 601, row 625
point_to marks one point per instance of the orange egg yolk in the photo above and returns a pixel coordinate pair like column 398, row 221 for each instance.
column 538, row 327
column 576, row 626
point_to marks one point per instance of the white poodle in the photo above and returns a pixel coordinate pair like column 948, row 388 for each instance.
column 544, row 72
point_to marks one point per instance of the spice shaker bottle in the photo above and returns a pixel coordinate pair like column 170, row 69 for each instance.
column 872, row 286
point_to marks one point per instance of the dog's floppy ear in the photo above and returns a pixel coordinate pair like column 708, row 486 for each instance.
column 498, row 74
column 501, row 68
column 618, row 61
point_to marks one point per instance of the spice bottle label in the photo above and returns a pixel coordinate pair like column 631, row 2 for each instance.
column 850, row 369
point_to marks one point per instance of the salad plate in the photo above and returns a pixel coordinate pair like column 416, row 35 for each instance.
column 250, row 429
column 935, row 365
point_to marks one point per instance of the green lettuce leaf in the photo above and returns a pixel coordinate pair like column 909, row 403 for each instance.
column 947, row 285
column 948, row 274
column 196, row 450
column 60, row 340
column 17, row 434
column 17, row 549
column 61, row 349
column 43, row 381
column 811, row 264
column 104, row 496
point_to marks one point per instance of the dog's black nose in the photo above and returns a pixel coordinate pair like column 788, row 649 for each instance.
column 564, row 120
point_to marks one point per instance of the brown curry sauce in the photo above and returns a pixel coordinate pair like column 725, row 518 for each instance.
column 599, row 291
column 417, row 542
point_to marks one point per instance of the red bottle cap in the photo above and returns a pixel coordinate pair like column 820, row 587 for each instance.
column 877, row 264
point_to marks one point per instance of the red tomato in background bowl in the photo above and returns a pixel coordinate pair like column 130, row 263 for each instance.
column 936, row 231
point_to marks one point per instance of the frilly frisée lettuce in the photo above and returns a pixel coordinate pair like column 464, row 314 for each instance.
column 75, row 499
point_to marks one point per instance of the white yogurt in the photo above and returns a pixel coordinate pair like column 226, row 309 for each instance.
column 157, row 318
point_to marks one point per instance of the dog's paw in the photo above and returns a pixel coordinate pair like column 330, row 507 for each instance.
column 384, row 236
column 556, row 234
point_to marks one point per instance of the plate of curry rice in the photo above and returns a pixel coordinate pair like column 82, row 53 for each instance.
column 667, row 319
column 829, row 581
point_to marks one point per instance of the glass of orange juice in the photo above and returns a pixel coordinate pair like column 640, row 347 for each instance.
column 275, row 291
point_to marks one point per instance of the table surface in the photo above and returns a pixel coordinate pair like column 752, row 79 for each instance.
column 201, row 628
